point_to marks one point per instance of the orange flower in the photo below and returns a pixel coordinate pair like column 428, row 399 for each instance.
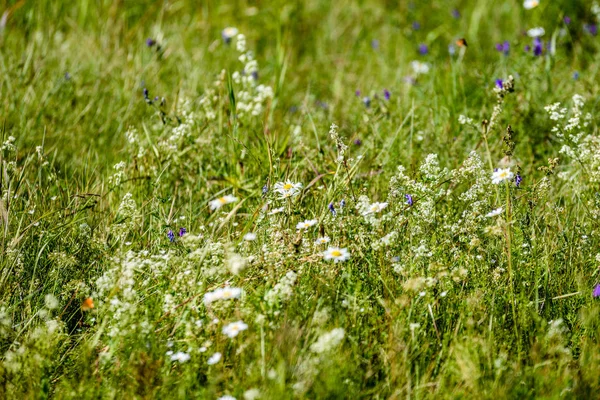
column 87, row 304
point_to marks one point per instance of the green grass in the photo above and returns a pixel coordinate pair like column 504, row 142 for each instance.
column 437, row 300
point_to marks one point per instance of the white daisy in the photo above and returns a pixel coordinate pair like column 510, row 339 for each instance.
column 250, row 236
column 375, row 208
column 180, row 356
column 529, row 4
column 536, row 32
column 494, row 213
column 306, row 224
column 229, row 33
column 215, row 358
column 225, row 293
column 232, row 329
column 277, row 210
column 419, row 67
column 226, row 397
column 323, row 240
column 221, row 201
column 501, row 174
column 336, row 254
column 287, row 189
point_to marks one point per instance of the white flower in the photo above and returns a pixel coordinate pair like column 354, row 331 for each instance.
column 494, row 213
column 234, row 328
column 180, row 356
column 306, row 224
column 221, row 201
column 251, row 394
column 287, row 189
column 328, row 341
column 277, row 210
column 215, row 358
column 420, row 67
column 336, row 254
column 529, row 4
column 323, row 240
column 226, row 397
column 375, row 208
column 250, row 236
column 229, row 33
column 536, row 32
column 222, row 294
column 501, row 174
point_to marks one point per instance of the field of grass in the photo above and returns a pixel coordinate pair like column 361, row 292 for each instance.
column 313, row 199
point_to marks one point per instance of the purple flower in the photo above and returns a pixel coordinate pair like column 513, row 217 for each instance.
column 416, row 25
column 367, row 101
column 357, row 142
column 575, row 75
column 596, row 292
column 409, row 199
column 150, row 42
column 171, row 235
column 527, row 48
column 265, row 190
column 67, row 76
column 455, row 14
column 538, row 46
column 518, row 179
column 567, row 20
column 423, row 49
column 503, row 47
column 332, row 209
column 374, row 44
column 342, row 203
column 499, row 83
column 386, row 94
column 182, row 231
column 592, row 29
column 357, row 93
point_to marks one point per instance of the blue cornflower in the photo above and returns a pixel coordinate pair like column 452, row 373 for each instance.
column 567, row 20
column 575, row 75
column 342, row 203
column 386, row 94
column 171, row 235
column 357, row 93
column 416, row 25
column 265, row 190
column 332, row 209
column 455, row 14
column 499, row 83
column 357, row 142
column 503, row 47
column 538, row 46
column 423, row 49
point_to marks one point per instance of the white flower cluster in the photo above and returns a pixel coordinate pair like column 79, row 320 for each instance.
column 283, row 290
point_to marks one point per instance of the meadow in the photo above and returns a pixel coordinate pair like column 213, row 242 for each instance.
column 288, row 200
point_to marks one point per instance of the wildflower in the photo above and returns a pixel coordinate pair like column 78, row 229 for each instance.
column 455, row 14
column 150, row 42
column 518, row 180
column 591, row 29
column 536, row 32
column 596, row 292
column 386, row 94
column 228, row 33
column 225, row 293
column 357, row 142
column 87, row 305
column 416, row 25
column 323, row 240
column 451, row 49
column 409, row 199
column 234, row 328
column 265, row 190
column 306, row 224
column 171, row 235
column 530, row 4
column 51, row 301
column 336, row 254
column 226, row 397
column 538, row 47
column 328, row 341
column 342, row 203
column 251, row 394
column 503, row 47
column 277, row 210
column 287, row 189
column 180, row 356
column 374, row 44
column 494, row 213
column 357, row 93
column 375, row 208
column 567, row 20
column 575, row 75
column 367, row 101
column 423, row 49
column 499, row 83
column 419, row 67
column 182, row 231
column 332, row 209
column 221, row 201
column 215, row 358
column 501, row 175
column 250, row 236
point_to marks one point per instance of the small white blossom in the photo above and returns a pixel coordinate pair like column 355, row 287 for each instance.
column 221, row 201
column 336, row 254
column 234, row 328
column 501, row 175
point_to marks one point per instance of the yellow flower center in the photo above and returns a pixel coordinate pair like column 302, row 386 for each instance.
column 222, row 200
column 288, row 186
column 336, row 253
